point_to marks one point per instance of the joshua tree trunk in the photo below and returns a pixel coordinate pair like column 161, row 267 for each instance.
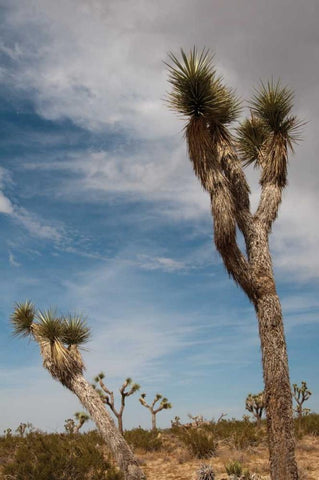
column 120, row 424
column 277, row 389
column 153, row 421
column 92, row 402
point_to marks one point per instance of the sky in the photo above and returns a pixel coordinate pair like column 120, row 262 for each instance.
column 101, row 214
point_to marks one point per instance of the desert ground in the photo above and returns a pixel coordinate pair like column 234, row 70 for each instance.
column 178, row 464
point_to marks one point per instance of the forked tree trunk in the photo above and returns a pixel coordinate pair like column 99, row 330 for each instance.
column 91, row 401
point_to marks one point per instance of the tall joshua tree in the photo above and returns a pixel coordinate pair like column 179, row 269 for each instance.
column 155, row 407
column 59, row 340
column 218, row 157
column 108, row 397
column 255, row 404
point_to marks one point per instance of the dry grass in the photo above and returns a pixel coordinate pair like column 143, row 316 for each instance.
column 173, row 462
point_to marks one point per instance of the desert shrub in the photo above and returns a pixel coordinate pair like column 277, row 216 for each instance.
column 200, row 441
column 40, row 456
column 146, row 440
column 205, row 472
column 239, row 433
column 234, row 468
column 308, row 424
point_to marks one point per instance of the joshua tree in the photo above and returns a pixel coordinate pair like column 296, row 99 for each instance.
column 301, row 394
column 72, row 427
column 59, row 340
column 108, row 397
column 24, row 428
column 81, row 417
column 217, row 156
column 255, row 404
column 164, row 405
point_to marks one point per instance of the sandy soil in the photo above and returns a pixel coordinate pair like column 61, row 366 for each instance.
column 178, row 465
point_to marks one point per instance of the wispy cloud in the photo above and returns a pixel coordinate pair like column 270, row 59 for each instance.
column 13, row 261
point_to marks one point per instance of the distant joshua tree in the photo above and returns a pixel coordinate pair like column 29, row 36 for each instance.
column 24, row 428
column 301, row 394
column 255, row 404
column 59, row 339
column 108, row 397
column 164, row 405
column 72, row 427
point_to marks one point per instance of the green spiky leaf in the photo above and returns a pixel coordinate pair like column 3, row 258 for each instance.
column 197, row 91
column 22, row 318
column 251, row 135
column 273, row 103
column 75, row 330
column 49, row 327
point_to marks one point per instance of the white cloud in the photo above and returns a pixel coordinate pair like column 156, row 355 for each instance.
column 13, row 261
column 5, row 204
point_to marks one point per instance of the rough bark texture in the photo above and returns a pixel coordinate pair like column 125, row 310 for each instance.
column 277, row 389
column 153, row 420
column 216, row 164
column 91, row 400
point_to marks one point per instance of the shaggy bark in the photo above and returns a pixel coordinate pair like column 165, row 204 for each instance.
column 263, row 140
column 277, row 389
column 222, row 176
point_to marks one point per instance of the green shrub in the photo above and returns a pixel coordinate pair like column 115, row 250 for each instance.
column 240, row 433
column 308, row 424
column 200, row 441
column 234, row 468
column 40, row 456
column 146, row 440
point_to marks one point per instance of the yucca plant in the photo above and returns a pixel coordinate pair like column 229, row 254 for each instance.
column 60, row 340
column 218, row 155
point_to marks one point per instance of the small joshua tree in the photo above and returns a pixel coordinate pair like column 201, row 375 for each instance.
column 72, row 427
column 164, row 405
column 81, row 417
column 255, row 404
column 301, row 394
column 24, row 428
column 59, row 339
column 108, row 397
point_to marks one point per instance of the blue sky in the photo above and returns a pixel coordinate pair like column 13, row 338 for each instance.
column 101, row 214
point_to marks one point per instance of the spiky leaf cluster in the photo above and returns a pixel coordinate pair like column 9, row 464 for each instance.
column 75, row 330
column 165, row 404
column 251, row 136
column 82, row 416
column 272, row 103
column 205, row 472
column 22, row 318
column 197, row 91
column 265, row 138
column 49, row 326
